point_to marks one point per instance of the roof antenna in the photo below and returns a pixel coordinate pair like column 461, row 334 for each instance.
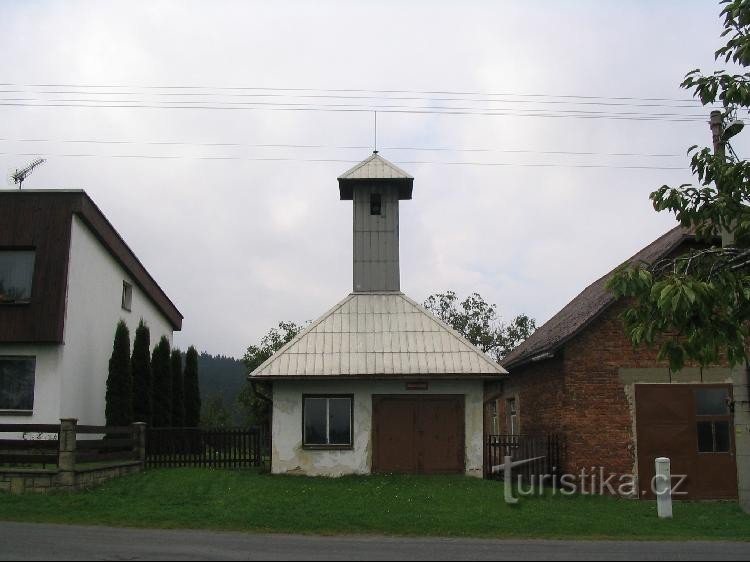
column 20, row 175
column 375, row 150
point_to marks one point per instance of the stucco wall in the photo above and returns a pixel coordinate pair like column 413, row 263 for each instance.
column 289, row 457
column 94, row 306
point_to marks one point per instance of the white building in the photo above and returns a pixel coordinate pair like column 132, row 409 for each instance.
column 66, row 279
column 377, row 384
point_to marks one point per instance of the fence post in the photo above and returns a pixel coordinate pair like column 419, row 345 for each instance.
column 66, row 459
column 663, row 488
column 139, row 448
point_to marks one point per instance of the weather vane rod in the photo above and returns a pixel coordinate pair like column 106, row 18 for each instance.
column 375, row 148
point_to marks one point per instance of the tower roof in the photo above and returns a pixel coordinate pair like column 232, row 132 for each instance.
column 375, row 168
column 378, row 335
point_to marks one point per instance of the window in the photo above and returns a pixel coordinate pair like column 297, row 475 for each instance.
column 17, row 383
column 714, row 422
column 494, row 421
column 16, row 273
column 127, row 295
column 327, row 422
column 512, row 416
column 376, row 204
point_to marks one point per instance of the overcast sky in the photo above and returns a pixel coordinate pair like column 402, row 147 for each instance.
column 241, row 236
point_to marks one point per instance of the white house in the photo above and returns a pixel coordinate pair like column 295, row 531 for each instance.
column 377, row 384
column 66, row 279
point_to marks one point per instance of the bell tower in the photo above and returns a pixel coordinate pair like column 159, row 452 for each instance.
column 376, row 186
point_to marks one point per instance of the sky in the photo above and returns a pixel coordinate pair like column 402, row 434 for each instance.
column 211, row 135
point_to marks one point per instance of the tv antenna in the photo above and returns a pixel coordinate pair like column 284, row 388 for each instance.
column 19, row 176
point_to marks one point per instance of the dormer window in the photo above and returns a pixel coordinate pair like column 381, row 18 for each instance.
column 16, row 274
column 376, row 204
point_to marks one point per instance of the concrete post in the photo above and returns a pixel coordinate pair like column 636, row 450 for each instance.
column 139, row 434
column 508, row 480
column 66, row 459
column 742, row 433
column 663, row 488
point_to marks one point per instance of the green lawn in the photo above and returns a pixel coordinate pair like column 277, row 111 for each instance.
column 394, row 505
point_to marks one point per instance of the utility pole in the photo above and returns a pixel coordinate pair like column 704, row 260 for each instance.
column 717, row 132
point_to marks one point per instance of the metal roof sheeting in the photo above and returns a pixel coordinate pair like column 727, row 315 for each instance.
column 375, row 168
column 378, row 335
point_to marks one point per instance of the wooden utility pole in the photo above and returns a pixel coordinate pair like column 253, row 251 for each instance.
column 717, row 129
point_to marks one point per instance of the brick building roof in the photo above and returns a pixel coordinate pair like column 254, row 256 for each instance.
column 588, row 305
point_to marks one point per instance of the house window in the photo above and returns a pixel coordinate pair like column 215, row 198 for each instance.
column 512, row 416
column 713, row 420
column 16, row 273
column 327, row 422
column 127, row 295
column 17, row 384
column 376, row 204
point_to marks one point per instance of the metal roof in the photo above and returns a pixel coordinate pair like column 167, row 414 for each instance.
column 378, row 335
column 375, row 169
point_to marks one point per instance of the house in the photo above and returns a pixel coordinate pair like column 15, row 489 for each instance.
column 66, row 279
column 377, row 384
column 617, row 406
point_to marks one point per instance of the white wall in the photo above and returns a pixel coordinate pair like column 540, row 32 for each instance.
column 288, row 456
column 94, row 306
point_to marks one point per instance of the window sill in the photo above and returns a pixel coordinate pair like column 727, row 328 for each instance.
column 328, row 447
column 16, row 412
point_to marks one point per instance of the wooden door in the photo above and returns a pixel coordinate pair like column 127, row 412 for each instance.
column 418, row 434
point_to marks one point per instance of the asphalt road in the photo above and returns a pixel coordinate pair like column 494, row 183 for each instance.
column 21, row 541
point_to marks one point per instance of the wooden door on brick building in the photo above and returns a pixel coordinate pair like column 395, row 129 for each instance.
column 418, row 434
column 691, row 424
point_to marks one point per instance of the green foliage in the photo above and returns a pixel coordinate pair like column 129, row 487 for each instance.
column 696, row 306
column 227, row 376
column 161, row 371
column 253, row 400
column 214, row 413
column 141, row 369
column 119, row 396
column 192, row 389
column 478, row 322
column 178, row 389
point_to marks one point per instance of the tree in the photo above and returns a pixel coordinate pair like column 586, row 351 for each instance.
column 178, row 389
column 478, row 322
column 215, row 413
column 141, row 369
column 119, row 395
column 192, row 389
column 255, row 397
column 696, row 306
column 161, row 375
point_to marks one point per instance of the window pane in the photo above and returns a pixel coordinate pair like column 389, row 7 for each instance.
column 375, row 204
column 315, row 421
column 712, row 401
column 17, row 383
column 16, row 272
column 721, row 432
column 705, row 437
column 340, row 421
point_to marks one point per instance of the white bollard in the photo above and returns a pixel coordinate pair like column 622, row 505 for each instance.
column 508, row 480
column 663, row 488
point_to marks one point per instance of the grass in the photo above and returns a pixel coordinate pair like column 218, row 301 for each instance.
column 390, row 505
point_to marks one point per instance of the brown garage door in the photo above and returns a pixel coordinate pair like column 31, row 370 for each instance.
column 692, row 425
column 418, row 434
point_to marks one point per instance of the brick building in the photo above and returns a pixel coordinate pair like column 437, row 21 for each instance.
column 617, row 406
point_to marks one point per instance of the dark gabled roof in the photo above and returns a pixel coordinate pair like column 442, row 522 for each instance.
column 588, row 305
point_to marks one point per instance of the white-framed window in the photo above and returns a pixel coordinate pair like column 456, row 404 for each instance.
column 512, row 408
column 327, row 421
column 17, row 376
column 16, row 274
column 127, row 296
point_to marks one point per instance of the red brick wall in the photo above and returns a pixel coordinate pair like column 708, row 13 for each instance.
column 578, row 394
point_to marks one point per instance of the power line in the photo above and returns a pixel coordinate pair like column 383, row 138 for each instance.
column 344, row 161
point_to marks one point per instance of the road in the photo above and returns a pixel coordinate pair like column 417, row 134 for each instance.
column 21, row 541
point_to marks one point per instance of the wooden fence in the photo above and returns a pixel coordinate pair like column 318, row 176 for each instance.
column 214, row 448
column 40, row 444
column 548, row 452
